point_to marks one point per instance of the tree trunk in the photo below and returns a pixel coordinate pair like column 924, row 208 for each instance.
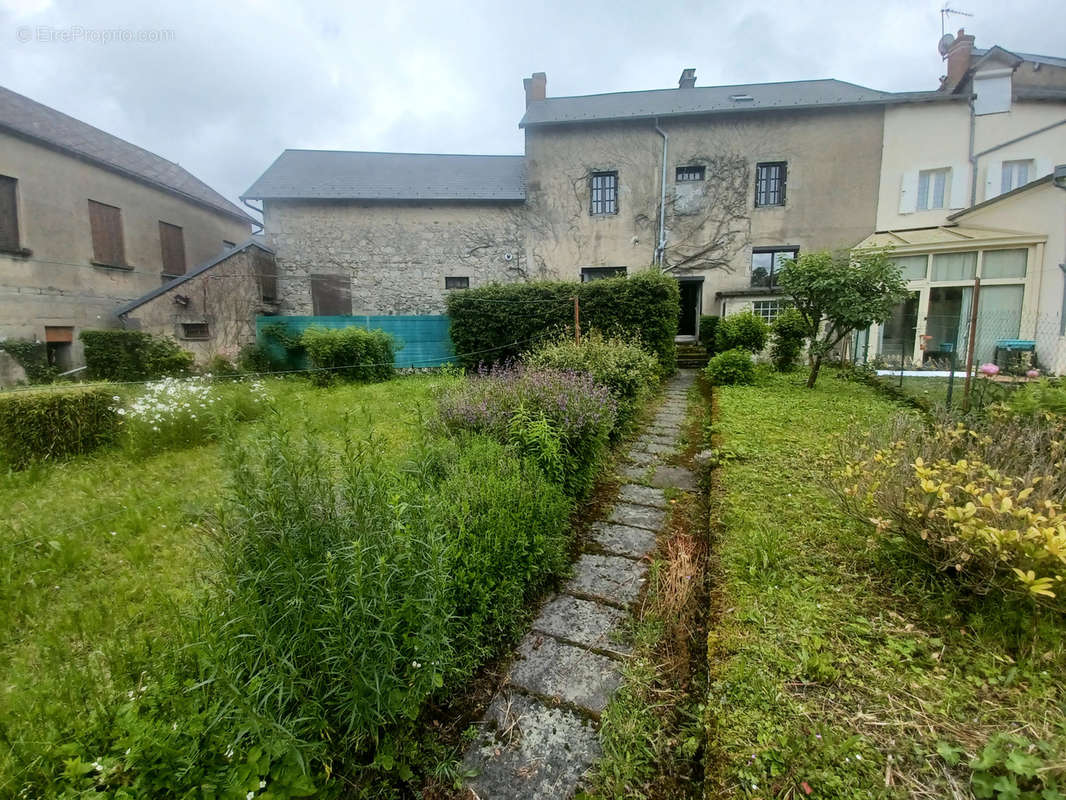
column 817, row 365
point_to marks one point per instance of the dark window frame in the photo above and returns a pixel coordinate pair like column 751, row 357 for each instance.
column 334, row 295
column 172, row 249
column 589, row 274
column 98, row 234
column 456, row 282
column 603, row 193
column 197, row 337
column 771, row 277
column 690, row 173
column 10, row 235
column 771, row 183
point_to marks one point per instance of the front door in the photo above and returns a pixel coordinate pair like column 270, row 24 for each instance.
column 688, row 317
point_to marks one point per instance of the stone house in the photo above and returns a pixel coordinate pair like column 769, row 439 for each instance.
column 211, row 310
column 89, row 221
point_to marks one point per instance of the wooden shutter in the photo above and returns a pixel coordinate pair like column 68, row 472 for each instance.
column 9, row 217
column 331, row 295
column 172, row 241
column 106, row 224
column 267, row 272
column 908, row 192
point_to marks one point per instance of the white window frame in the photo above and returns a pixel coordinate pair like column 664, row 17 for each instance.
column 927, row 189
column 1015, row 174
column 771, row 308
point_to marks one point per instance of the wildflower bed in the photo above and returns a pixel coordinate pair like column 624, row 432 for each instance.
column 840, row 669
column 99, row 556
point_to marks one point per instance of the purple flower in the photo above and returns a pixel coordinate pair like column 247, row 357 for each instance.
column 1033, row 373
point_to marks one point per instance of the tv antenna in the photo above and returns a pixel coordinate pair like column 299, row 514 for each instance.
column 945, row 12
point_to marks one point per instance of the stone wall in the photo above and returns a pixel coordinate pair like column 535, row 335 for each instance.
column 396, row 256
column 227, row 298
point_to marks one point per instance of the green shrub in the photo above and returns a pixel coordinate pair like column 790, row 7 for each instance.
column 500, row 322
column 746, row 330
column 789, row 332
column 219, row 365
column 629, row 372
column 121, row 355
column 1011, row 767
column 32, row 357
column 55, row 423
column 1040, row 397
column 256, row 357
column 353, row 353
column 731, row 367
column 708, row 331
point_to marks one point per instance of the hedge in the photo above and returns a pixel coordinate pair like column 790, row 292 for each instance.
column 54, row 424
column 122, row 355
column 32, row 357
column 353, row 353
column 497, row 322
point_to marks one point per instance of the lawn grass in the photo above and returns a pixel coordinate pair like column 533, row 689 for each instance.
column 837, row 669
column 100, row 555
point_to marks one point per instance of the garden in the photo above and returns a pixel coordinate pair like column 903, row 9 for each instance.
column 283, row 586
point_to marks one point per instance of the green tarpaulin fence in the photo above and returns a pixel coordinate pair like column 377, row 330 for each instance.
column 421, row 341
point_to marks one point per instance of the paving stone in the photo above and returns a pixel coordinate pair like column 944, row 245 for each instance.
column 651, row 437
column 636, row 472
column 662, row 430
column 549, row 668
column 656, row 448
column 641, row 457
column 643, row 495
column 623, row 540
column 582, row 622
column 611, row 578
column 530, row 750
column 668, row 419
column 676, row 477
column 637, row 516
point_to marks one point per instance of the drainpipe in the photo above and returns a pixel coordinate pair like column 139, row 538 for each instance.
column 1059, row 181
column 262, row 227
column 973, row 158
column 660, row 248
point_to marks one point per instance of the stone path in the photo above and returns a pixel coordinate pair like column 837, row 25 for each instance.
column 538, row 737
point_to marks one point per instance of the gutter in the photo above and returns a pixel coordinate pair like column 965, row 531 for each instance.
column 660, row 248
column 262, row 225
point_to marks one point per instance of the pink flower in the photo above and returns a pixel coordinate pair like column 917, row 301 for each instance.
column 988, row 370
column 1033, row 373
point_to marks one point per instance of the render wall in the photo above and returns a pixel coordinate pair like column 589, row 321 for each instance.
column 396, row 256
column 833, row 161
column 57, row 284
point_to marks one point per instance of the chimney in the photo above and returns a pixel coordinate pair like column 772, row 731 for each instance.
column 687, row 79
column 958, row 57
column 536, row 87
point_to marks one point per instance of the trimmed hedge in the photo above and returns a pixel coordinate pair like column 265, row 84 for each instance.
column 745, row 330
column 352, row 353
column 499, row 322
column 708, row 331
column 122, row 355
column 32, row 357
column 731, row 368
column 55, row 424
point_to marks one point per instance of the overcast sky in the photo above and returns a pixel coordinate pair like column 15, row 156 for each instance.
column 236, row 82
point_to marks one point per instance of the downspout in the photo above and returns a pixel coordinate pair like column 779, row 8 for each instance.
column 660, row 248
column 262, row 226
column 1058, row 180
column 972, row 156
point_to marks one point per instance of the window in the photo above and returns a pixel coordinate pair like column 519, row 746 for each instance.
column 768, row 309
column 913, row 268
column 604, row 191
column 1015, row 174
column 9, row 215
column 599, row 273
column 1003, row 263
column 932, row 189
column 331, row 295
column 266, row 269
column 766, row 263
column 770, row 184
column 195, row 330
column 106, row 224
column 457, row 283
column 172, row 242
column 954, row 266
column 58, row 341
column 687, row 174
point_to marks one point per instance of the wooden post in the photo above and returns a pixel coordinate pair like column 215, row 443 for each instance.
column 970, row 345
column 577, row 321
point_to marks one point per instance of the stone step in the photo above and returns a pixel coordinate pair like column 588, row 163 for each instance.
column 582, row 622
column 558, row 671
column 637, row 516
column 623, row 540
column 610, row 579
column 643, row 496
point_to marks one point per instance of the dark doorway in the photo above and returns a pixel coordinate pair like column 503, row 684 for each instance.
column 689, row 313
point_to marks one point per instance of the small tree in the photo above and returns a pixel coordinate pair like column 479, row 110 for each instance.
column 840, row 293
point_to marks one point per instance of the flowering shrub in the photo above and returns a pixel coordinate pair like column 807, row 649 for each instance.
column 985, row 505
column 180, row 412
column 577, row 410
column 629, row 372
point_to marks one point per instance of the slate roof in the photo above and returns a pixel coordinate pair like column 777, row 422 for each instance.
column 351, row 175
column 825, row 93
column 255, row 241
column 28, row 118
column 1051, row 61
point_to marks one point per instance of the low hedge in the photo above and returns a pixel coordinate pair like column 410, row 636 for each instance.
column 122, row 355
column 708, row 331
column 745, row 329
column 495, row 323
column 353, row 353
column 55, row 424
column 32, row 357
column 731, row 368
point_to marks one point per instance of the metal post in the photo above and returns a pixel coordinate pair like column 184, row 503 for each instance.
column 970, row 345
column 902, row 345
column 951, row 373
column 577, row 321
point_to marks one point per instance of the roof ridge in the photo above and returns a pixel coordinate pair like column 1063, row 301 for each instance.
column 713, row 86
column 401, row 153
